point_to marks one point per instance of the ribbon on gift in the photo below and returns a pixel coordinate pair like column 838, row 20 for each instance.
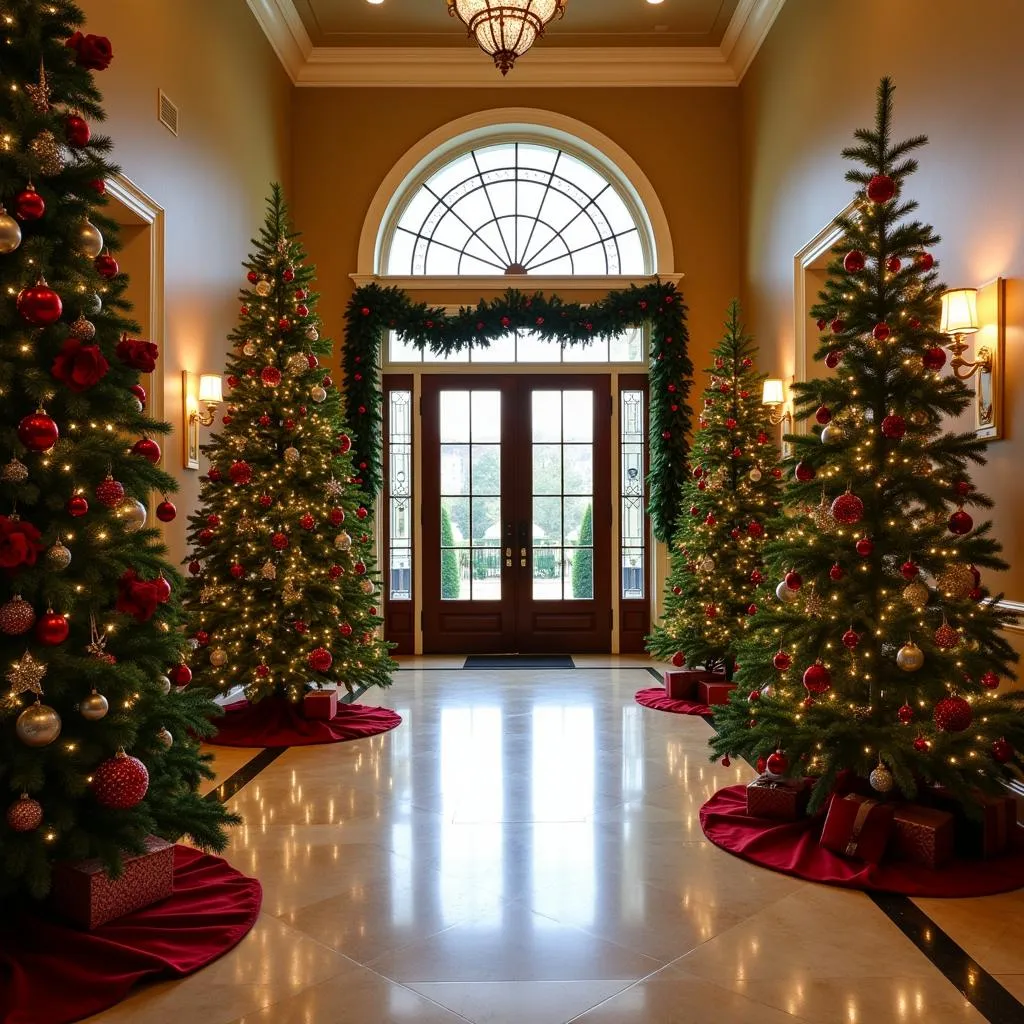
column 858, row 826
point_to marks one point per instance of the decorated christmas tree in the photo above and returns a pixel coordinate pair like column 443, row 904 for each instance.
column 715, row 582
column 883, row 655
column 283, row 596
column 97, row 749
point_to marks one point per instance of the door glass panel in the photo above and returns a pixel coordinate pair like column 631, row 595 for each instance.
column 470, row 423
column 547, row 468
column 546, row 416
column 631, row 488
column 579, row 469
column 578, row 413
column 399, row 442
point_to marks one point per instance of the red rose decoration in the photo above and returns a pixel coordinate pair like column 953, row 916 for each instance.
column 137, row 597
column 19, row 543
column 92, row 52
column 139, row 355
column 79, row 366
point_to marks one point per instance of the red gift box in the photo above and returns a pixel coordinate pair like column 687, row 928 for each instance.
column 988, row 836
column 320, row 704
column 714, row 692
column 857, row 826
column 84, row 893
column 782, row 799
column 923, row 835
column 681, row 684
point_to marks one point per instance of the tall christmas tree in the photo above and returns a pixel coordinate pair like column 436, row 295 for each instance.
column 97, row 750
column 283, row 597
column 884, row 655
column 715, row 583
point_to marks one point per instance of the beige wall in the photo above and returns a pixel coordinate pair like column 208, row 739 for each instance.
column 213, row 61
column 959, row 80
column 685, row 140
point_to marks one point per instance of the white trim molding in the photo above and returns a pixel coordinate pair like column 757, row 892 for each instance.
column 466, row 67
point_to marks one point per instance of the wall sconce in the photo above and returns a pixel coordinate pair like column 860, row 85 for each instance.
column 205, row 392
column 960, row 317
column 773, row 395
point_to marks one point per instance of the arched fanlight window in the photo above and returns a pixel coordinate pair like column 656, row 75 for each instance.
column 522, row 206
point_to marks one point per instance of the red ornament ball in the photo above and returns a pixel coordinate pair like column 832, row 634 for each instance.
column 139, row 392
column 960, row 522
column 252, row 277
column 694, row 511
column 953, row 714
column 946, row 637
column 751, row 609
column 320, row 659
column 237, row 570
column 677, row 590
column 77, row 506
column 864, row 547
column 894, row 427
column 262, row 671
column 335, row 571
column 848, row 509
column 881, row 188
column 794, row 581
column 921, row 744
column 804, row 472
column 905, row 714
column 284, row 324
column 361, row 512
column 833, row 358
column 17, row 616
column 337, row 516
column 300, row 626
column 1002, row 751
column 782, row 661
column 271, row 376
column 166, row 511
column 880, row 332
column 76, row 130
column 205, row 536
column 754, row 695
column 989, row 680
column 106, row 266
column 761, row 766
column 778, row 763
column 240, row 472
column 38, row 432
column 195, row 567
column 710, row 611
column 279, row 541
column 963, row 488
column 909, row 570
column 52, row 629
column 934, row 358
column 120, row 782
column 678, row 659
column 755, row 529
column 756, row 576
column 302, row 310
column 851, row 639
column 25, row 814
column 265, row 501
column 359, row 568
column 110, row 492
column 307, row 522
column 288, row 274
column 148, row 449
column 163, row 589
column 99, row 186
column 203, row 638
column 345, row 629
column 29, row 205
column 710, row 520
column 836, row 572
column 893, row 264
column 180, row 675
column 925, row 261
column 853, row 262
column 817, row 679
column 344, row 441
column 822, row 415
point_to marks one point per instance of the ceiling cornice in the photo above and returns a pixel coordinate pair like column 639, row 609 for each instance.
column 582, row 67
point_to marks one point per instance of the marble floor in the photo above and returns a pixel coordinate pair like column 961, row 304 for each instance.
column 525, row 849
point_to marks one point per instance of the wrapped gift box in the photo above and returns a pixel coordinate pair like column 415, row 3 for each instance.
column 681, row 684
column 989, row 835
column 84, row 893
column 320, row 704
column 923, row 834
column 715, row 691
column 782, row 799
column 857, row 826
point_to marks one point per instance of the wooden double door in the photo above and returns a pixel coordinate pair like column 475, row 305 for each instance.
column 516, row 514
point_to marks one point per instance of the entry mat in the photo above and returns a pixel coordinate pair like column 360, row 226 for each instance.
column 519, row 661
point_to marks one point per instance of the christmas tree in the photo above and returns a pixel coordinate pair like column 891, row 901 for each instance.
column 883, row 655
column 97, row 750
column 716, row 571
column 283, row 596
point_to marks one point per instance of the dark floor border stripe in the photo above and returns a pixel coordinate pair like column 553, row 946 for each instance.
column 970, row 979
column 973, row 982
column 233, row 783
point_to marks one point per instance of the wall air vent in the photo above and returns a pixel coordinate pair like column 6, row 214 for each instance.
column 168, row 113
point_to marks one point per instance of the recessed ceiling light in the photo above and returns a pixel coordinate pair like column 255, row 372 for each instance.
column 382, row 1
column 649, row 1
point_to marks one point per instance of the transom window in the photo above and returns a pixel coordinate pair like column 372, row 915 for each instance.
column 523, row 207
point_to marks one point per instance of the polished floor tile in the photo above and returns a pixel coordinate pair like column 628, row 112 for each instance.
column 526, row 849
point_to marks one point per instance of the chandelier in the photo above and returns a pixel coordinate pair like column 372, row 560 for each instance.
column 506, row 29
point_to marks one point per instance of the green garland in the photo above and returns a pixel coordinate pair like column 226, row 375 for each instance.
column 374, row 310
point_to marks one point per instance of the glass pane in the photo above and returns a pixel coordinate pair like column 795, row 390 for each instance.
column 486, row 525
column 579, row 469
column 547, row 521
column 486, row 469
column 578, row 521
column 454, row 416
column 486, row 574
column 401, row 351
column 401, row 576
column 546, row 416
column 595, row 351
column 532, row 349
column 455, row 468
column 486, row 416
column 580, row 575
column 399, row 483
column 578, row 415
column 500, row 350
column 632, row 490
column 454, row 521
column 627, row 347
column 547, row 469
column 633, row 572
column 547, row 574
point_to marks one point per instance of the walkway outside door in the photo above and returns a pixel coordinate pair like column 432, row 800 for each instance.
column 516, row 514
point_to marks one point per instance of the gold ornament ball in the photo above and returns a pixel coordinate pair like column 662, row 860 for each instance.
column 755, row 474
column 14, row 472
column 263, row 288
column 218, row 657
column 132, row 514
column 46, row 150
column 707, row 565
column 291, row 455
column 343, row 541
column 881, row 779
column 164, row 683
column 90, row 240
column 10, row 233
column 297, row 363
column 366, row 586
column 58, row 557
column 956, row 581
column 318, row 394
column 38, row 725
column 916, row 595
column 312, row 334
column 248, row 349
column 910, row 657
column 84, row 330
column 164, row 738
column 94, row 707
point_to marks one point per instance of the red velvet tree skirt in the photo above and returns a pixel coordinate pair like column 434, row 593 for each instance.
column 276, row 722
column 792, row 848
column 656, row 698
column 53, row 973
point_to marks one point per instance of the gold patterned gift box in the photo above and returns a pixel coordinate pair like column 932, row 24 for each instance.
column 923, row 835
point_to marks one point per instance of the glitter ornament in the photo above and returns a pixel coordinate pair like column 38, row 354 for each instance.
column 110, row 492
column 38, row 725
column 894, row 427
column 989, row 680
column 58, row 557
column 93, row 707
column 240, row 473
column 910, row 657
column 268, row 570
column 905, row 714
column 120, row 783
column 14, row 472
column 218, row 657
column 279, row 541
column 916, row 595
column 271, row 376
column 262, row 288
column 291, row 455
column 25, row 814
column 17, row 616
column 320, row 659
column 817, row 679
column 881, row 778
column 84, row 330
column 953, row 714
column 946, row 637
column 297, row 363
column 847, row 509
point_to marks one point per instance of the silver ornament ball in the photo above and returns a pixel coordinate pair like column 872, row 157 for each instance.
column 297, row 363
column 90, row 241
column 755, row 474
column 318, row 394
column 58, row 557
column 785, row 595
column 881, row 779
column 366, row 586
column 132, row 514
column 91, row 304
column 10, row 233
column 164, row 738
column 832, row 434
column 38, row 725
column 94, row 707
column 164, row 683
column 248, row 349
column 707, row 565
column 343, row 541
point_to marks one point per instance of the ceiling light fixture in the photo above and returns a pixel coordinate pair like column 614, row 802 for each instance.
column 506, row 29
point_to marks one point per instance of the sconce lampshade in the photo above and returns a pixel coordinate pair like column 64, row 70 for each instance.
column 772, row 393
column 959, row 311
column 210, row 389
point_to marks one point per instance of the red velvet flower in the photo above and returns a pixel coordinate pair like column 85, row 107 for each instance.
column 136, row 597
column 19, row 543
column 79, row 366
column 92, row 52
column 139, row 355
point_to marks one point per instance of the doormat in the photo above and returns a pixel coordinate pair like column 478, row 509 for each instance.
column 519, row 661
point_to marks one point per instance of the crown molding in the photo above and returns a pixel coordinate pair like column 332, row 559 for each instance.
column 467, row 68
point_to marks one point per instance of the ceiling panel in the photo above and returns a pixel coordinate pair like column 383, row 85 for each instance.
column 586, row 23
